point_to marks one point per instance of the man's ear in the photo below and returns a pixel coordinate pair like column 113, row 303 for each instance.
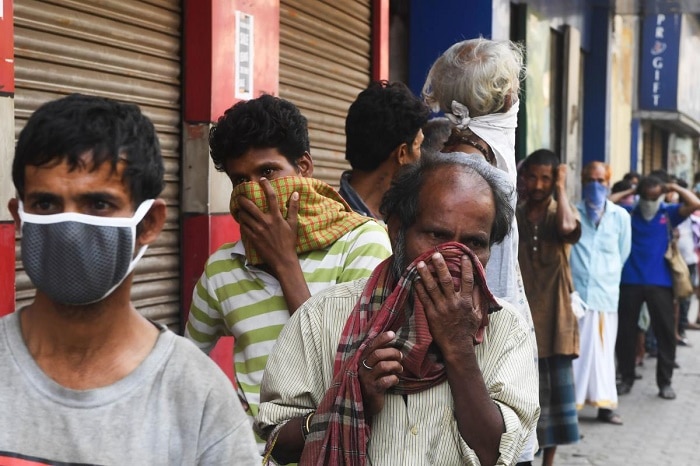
column 305, row 165
column 13, row 207
column 152, row 224
column 402, row 154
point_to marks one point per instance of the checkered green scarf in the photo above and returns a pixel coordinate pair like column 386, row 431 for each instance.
column 324, row 216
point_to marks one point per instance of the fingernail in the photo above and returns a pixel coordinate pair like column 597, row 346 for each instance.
column 391, row 334
column 437, row 255
column 420, row 265
column 262, row 178
column 295, row 196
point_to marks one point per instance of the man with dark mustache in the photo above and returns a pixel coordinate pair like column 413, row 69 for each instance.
column 411, row 366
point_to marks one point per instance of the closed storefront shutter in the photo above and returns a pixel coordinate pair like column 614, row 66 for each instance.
column 324, row 63
column 127, row 50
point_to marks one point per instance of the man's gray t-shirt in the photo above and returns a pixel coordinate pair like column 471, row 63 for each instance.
column 175, row 408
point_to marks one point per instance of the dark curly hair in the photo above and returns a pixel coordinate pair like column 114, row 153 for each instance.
column 262, row 123
column 111, row 131
column 384, row 116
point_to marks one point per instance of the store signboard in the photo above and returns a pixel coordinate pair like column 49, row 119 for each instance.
column 658, row 80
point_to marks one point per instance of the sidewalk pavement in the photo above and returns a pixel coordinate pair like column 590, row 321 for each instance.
column 655, row 431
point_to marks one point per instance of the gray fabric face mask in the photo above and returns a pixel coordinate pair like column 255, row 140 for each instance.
column 648, row 209
column 79, row 259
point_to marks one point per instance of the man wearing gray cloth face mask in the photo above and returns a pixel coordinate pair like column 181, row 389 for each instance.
column 646, row 277
column 85, row 378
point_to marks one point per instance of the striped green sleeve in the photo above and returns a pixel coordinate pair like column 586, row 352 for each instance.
column 205, row 322
column 369, row 247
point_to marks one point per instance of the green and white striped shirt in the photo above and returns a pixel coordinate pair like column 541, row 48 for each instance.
column 420, row 429
column 232, row 298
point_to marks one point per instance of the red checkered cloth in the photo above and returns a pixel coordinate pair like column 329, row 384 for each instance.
column 339, row 431
column 324, row 216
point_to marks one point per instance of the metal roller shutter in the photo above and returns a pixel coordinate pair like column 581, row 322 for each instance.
column 128, row 50
column 324, row 63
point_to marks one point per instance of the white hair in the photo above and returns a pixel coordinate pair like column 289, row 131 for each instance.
column 478, row 73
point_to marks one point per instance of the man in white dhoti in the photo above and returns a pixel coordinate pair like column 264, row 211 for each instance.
column 596, row 265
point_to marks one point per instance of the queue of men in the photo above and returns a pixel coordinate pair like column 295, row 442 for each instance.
column 598, row 265
column 387, row 323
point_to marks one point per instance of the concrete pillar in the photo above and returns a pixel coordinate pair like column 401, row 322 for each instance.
column 217, row 34
column 7, row 150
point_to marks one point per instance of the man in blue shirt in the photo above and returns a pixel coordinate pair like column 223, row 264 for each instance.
column 596, row 266
column 646, row 277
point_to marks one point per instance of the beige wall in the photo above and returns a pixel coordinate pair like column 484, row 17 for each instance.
column 622, row 84
column 538, row 83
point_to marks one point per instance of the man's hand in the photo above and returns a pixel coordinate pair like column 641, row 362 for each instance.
column 689, row 201
column 385, row 363
column 454, row 315
column 456, row 324
column 560, row 176
column 671, row 187
column 567, row 221
column 275, row 239
column 273, row 236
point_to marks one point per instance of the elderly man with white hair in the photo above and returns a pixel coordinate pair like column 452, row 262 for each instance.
column 476, row 83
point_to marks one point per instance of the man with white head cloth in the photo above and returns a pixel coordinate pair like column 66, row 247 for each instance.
column 476, row 83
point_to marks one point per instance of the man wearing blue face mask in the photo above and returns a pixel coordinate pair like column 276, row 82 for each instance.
column 86, row 379
column 646, row 277
column 596, row 265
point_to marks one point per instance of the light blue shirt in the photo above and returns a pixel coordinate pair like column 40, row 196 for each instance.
column 598, row 257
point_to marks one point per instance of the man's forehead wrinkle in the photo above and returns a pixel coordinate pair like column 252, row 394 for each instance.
column 476, row 184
